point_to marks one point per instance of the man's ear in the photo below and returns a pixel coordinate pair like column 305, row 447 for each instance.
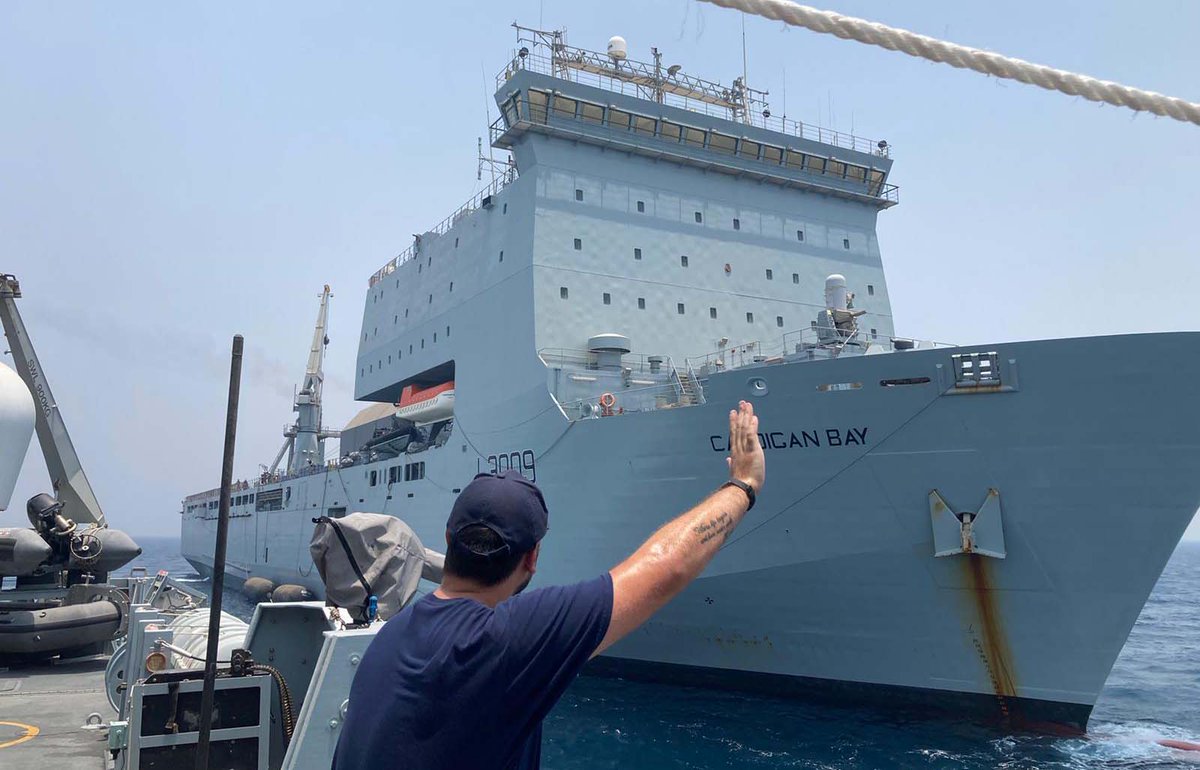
column 531, row 558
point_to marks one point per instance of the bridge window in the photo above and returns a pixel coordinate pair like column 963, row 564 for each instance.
column 836, row 168
column 772, row 154
column 815, row 164
column 564, row 107
column 592, row 113
column 856, row 174
column 795, row 159
column 538, row 101
column 876, row 182
column 748, row 149
column 722, row 143
column 645, row 125
column 671, row 131
column 618, row 118
column 510, row 111
column 693, row 136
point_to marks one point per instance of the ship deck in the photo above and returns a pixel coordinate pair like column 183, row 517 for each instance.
column 42, row 710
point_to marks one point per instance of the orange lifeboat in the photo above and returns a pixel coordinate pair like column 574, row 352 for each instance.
column 429, row 404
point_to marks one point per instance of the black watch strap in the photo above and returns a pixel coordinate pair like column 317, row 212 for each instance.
column 749, row 490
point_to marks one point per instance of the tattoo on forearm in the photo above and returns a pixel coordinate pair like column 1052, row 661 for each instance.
column 718, row 526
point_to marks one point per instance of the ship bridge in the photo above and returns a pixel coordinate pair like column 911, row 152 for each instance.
column 635, row 200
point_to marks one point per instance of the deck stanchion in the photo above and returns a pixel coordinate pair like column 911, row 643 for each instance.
column 214, row 612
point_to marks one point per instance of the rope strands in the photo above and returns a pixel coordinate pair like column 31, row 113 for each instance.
column 964, row 57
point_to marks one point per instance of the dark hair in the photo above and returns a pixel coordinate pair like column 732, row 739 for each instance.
column 478, row 554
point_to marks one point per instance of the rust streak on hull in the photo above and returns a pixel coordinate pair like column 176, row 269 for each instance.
column 988, row 633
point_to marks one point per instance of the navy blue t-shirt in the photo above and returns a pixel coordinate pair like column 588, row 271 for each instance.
column 455, row 684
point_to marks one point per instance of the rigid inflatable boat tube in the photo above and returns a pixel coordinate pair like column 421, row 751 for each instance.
column 50, row 630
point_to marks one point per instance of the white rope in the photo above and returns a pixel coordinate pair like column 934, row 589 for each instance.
column 923, row 47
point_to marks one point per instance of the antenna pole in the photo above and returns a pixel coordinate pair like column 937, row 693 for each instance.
column 214, row 610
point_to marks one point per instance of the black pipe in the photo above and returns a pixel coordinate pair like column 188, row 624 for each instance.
column 218, row 579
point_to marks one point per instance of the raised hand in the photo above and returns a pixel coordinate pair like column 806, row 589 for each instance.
column 746, row 460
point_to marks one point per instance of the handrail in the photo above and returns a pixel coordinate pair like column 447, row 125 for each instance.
column 735, row 356
column 506, row 178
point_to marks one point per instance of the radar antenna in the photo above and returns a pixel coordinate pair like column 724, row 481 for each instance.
column 71, row 485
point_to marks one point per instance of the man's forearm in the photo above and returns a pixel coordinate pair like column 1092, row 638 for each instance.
column 671, row 558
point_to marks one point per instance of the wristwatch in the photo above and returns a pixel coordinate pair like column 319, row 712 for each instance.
column 749, row 490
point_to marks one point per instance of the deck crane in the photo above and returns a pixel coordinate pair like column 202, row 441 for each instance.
column 305, row 439
column 71, row 485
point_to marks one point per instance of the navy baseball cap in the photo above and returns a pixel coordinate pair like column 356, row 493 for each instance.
column 508, row 504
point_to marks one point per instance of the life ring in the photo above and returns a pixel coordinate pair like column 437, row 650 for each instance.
column 607, row 402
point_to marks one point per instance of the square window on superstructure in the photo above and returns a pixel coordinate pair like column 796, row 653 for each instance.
column 578, row 194
column 564, row 106
column 722, row 143
column 737, row 224
column 637, row 253
column 772, row 154
column 699, row 217
column 770, row 274
column 641, row 207
column 679, row 308
column 578, row 244
column 693, row 136
column 749, row 318
column 618, row 118
column 836, row 168
column 870, row 290
column 592, row 113
column 641, row 303
column 748, row 149
column 538, row 101
column 644, row 125
column 683, row 261
column 795, row 159
column 856, row 173
column 607, row 298
column 562, row 292
column 671, row 131
column 815, row 164
column 712, row 312
column 779, row 321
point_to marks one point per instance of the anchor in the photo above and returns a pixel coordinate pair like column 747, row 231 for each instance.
column 980, row 532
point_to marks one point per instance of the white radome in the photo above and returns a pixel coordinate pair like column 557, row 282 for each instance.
column 617, row 48
column 16, row 429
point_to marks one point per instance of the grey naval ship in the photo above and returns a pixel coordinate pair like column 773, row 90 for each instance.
column 974, row 527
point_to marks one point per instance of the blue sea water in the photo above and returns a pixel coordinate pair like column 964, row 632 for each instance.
column 1153, row 692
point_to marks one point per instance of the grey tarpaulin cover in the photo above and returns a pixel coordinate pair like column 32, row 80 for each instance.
column 384, row 549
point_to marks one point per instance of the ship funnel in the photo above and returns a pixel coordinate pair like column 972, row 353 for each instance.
column 835, row 292
column 608, row 349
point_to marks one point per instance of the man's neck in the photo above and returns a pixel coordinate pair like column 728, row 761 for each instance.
column 456, row 588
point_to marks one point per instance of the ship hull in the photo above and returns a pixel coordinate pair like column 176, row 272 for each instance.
column 830, row 585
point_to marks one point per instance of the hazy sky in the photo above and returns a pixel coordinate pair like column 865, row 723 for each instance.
column 172, row 174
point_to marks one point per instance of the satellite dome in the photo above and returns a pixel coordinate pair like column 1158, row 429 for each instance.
column 617, row 48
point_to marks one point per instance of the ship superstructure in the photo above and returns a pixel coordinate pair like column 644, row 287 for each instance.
column 974, row 526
